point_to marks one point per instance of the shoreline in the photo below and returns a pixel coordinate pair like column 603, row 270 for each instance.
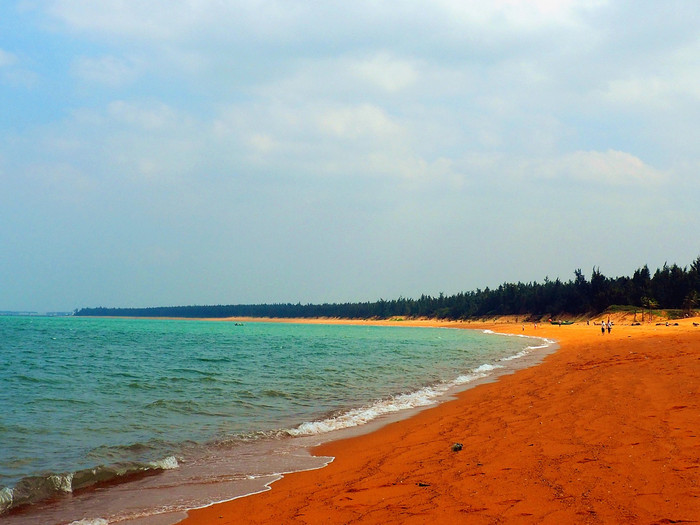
column 313, row 443
column 541, row 445
column 90, row 502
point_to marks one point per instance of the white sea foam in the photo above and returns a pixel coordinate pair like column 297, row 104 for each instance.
column 486, row 368
column 545, row 344
column 365, row 414
column 168, row 463
column 6, row 498
column 520, row 354
column 478, row 373
column 420, row 398
column 90, row 521
column 62, row 482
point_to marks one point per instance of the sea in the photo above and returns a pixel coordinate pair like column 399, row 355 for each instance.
column 135, row 421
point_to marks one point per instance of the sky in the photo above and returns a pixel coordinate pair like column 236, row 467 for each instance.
column 179, row 152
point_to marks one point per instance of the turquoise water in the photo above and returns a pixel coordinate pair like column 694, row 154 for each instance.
column 89, row 401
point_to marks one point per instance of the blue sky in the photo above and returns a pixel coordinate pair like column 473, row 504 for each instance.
column 206, row 152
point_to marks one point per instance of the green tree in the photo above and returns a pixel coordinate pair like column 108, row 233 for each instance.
column 650, row 304
column 691, row 301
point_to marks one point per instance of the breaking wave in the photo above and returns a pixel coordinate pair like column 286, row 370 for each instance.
column 420, row 398
column 34, row 489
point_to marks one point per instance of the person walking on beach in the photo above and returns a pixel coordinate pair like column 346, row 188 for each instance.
column 602, row 327
column 609, row 326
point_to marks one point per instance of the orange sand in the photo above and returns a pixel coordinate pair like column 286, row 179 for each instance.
column 606, row 430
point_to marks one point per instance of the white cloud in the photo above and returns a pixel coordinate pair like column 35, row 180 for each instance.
column 262, row 143
column 22, row 78
column 7, row 58
column 416, row 171
column 657, row 87
column 310, row 124
column 339, row 77
column 385, row 71
column 501, row 112
column 364, row 121
column 146, row 116
column 285, row 21
column 108, row 70
column 138, row 18
column 634, row 91
column 60, row 181
column 611, row 167
column 13, row 74
column 322, row 139
column 519, row 14
column 177, row 20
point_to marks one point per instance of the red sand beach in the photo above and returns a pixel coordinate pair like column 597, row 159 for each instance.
column 605, row 430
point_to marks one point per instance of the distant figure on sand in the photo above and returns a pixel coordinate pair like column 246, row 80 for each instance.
column 609, row 326
column 602, row 327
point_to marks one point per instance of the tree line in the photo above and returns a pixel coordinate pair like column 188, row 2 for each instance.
column 670, row 287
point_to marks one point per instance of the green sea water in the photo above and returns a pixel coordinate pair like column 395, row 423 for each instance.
column 88, row 402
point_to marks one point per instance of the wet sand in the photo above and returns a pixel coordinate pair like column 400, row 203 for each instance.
column 605, row 430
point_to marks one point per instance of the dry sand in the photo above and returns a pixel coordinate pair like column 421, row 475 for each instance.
column 605, row 430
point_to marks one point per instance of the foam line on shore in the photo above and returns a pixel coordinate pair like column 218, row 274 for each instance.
column 522, row 438
column 424, row 397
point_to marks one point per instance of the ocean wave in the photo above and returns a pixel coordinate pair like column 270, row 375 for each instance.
column 131, row 452
column 168, row 463
column 545, row 343
column 43, row 380
column 186, row 406
column 519, row 355
column 419, row 398
column 6, row 499
column 53, row 401
column 216, row 359
column 234, row 440
column 478, row 373
column 271, row 392
column 33, row 489
column 365, row 414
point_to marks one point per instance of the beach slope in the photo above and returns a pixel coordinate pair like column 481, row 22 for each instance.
column 606, row 430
